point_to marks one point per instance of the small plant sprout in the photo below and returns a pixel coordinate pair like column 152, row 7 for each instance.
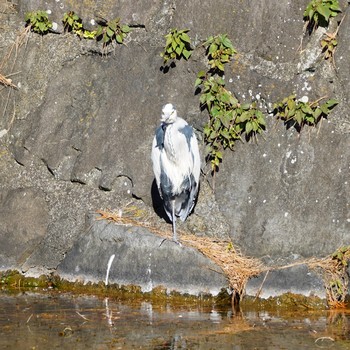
column 112, row 30
column 329, row 43
column 319, row 12
column 38, row 22
column 73, row 23
column 177, row 46
column 297, row 113
column 219, row 50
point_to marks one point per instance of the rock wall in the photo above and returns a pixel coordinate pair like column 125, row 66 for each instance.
column 76, row 134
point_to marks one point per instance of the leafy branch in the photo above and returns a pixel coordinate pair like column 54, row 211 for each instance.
column 319, row 12
column 38, row 21
column 112, row 30
column 73, row 23
column 298, row 113
column 107, row 31
column 228, row 119
column 219, row 50
column 329, row 43
column 177, row 46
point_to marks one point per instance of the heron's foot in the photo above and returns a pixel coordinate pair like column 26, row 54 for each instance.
column 177, row 242
column 172, row 240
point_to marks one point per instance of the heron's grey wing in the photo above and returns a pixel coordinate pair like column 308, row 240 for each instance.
column 191, row 182
column 195, row 171
column 157, row 146
column 196, row 159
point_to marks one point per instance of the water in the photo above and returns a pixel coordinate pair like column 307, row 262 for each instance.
column 63, row 321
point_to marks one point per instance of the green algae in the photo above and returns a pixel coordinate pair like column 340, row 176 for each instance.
column 286, row 301
column 14, row 281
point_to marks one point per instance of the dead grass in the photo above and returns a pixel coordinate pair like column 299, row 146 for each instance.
column 238, row 268
column 8, row 63
column 333, row 269
column 11, row 57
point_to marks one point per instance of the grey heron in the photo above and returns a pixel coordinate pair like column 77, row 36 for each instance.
column 176, row 165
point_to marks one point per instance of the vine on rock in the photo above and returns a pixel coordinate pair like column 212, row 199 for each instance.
column 229, row 119
column 298, row 113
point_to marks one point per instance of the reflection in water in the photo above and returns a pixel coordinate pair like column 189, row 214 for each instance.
column 62, row 321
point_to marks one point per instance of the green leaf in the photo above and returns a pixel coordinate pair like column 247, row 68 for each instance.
column 185, row 37
column 225, row 97
column 324, row 11
column 125, row 28
column 224, row 133
column 298, row 117
column 213, row 134
column 324, row 109
column 212, row 48
column 290, row 113
column 244, row 117
column 226, row 120
column 220, row 66
column 306, row 108
column 317, row 112
column 201, row 74
column 248, row 127
column 173, row 43
column 186, row 54
column 227, row 42
column 106, row 39
column 332, row 103
column 311, row 14
column 112, row 26
column 169, row 39
column 291, row 104
column 99, row 31
column 218, row 154
column 110, row 32
column 119, row 39
column 261, row 119
column 178, row 50
column 198, row 82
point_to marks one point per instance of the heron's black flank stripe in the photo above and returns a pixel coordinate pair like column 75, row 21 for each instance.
column 160, row 132
column 166, row 186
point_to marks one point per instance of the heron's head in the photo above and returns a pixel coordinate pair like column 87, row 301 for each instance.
column 169, row 114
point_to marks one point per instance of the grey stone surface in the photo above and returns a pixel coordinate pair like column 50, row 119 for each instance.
column 295, row 279
column 77, row 132
column 142, row 259
column 23, row 224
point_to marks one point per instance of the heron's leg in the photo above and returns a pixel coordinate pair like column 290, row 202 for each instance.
column 174, row 222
